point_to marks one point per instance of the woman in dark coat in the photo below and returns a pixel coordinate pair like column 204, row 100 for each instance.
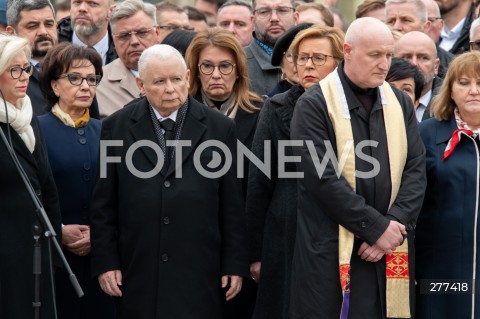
column 219, row 80
column 447, row 236
column 272, row 202
column 69, row 77
column 17, row 211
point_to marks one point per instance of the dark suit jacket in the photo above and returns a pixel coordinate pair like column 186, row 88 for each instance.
column 437, row 83
column 173, row 238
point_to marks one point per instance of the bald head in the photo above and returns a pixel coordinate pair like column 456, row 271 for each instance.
column 368, row 51
column 410, row 39
column 366, row 28
column 420, row 50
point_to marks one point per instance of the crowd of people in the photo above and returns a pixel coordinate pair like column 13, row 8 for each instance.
column 236, row 160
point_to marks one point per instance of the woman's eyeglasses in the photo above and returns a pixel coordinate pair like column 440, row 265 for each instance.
column 317, row 59
column 77, row 80
column 16, row 71
column 208, row 68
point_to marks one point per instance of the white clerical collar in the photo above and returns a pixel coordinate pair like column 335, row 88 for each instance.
column 101, row 46
column 172, row 116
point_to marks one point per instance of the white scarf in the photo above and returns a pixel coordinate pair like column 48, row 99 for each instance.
column 20, row 117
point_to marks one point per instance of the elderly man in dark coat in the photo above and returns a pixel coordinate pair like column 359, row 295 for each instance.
column 350, row 257
column 165, row 241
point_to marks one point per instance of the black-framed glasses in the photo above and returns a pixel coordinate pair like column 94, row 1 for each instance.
column 208, row 68
column 169, row 27
column 433, row 19
column 317, row 59
column 288, row 56
column 140, row 33
column 17, row 71
column 265, row 13
column 77, row 79
column 475, row 45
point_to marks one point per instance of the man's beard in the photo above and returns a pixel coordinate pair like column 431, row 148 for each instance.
column 41, row 52
column 88, row 30
column 266, row 39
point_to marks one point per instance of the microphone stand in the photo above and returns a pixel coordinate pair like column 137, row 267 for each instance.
column 49, row 234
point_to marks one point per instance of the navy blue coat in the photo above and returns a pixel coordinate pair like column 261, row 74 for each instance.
column 73, row 155
column 446, row 224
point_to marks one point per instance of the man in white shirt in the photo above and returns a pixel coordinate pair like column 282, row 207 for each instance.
column 458, row 16
column 88, row 26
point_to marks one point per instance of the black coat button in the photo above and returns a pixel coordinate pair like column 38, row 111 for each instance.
column 86, row 177
column 166, row 184
column 82, row 141
column 364, row 224
column 81, row 131
column 166, row 220
column 164, row 257
column 86, row 166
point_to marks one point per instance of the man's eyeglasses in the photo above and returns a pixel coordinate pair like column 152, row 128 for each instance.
column 126, row 36
column 77, row 79
column 433, row 19
column 475, row 45
column 169, row 27
column 318, row 59
column 266, row 13
column 16, row 71
column 208, row 68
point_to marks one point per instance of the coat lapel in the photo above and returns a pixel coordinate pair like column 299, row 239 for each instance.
column 142, row 128
column 245, row 124
column 127, row 80
column 445, row 131
column 193, row 130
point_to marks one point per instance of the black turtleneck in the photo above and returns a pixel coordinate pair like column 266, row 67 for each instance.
column 366, row 97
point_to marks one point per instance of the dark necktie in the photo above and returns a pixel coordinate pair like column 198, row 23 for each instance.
column 168, row 126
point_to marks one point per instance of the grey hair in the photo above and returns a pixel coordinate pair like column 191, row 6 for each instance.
column 10, row 47
column 236, row 3
column 159, row 52
column 15, row 8
column 421, row 11
column 128, row 8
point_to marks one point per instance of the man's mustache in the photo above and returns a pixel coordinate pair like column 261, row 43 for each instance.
column 43, row 38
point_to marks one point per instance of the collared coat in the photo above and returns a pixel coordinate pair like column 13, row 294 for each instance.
column 325, row 201
column 172, row 237
column 18, row 215
column 263, row 75
column 446, row 246
column 116, row 89
column 437, row 83
column 271, row 208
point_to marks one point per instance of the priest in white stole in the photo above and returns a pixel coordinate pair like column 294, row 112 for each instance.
column 354, row 254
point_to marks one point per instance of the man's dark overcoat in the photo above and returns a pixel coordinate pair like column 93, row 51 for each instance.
column 326, row 202
column 173, row 238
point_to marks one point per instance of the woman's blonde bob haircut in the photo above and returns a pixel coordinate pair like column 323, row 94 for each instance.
column 223, row 39
column 466, row 64
column 333, row 34
column 10, row 47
